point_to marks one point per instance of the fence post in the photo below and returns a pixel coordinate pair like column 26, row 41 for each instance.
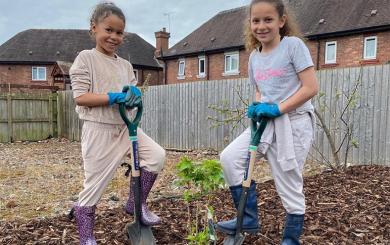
column 9, row 110
column 60, row 114
column 51, row 124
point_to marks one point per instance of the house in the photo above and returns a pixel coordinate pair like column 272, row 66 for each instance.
column 338, row 33
column 41, row 58
column 213, row 51
column 345, row 33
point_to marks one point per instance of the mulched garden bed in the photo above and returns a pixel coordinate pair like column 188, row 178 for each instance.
column 350, row 207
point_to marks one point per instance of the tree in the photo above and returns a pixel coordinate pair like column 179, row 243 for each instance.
column 344, row 124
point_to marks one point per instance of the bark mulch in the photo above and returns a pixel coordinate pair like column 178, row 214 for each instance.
column 350, row 207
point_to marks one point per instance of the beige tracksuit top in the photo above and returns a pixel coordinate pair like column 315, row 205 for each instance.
column 95, row 72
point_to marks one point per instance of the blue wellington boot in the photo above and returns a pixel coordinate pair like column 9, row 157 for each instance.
column 250, row 222
column 292, row 229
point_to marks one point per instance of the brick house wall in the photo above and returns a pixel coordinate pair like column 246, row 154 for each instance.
column 350, row 50
column 157, row 77
column 349, row 54
column 215, row 66
column 22, row 74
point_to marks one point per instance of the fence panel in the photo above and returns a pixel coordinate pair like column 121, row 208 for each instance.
column 27, row 117
column 69, row 125
column 177, row 115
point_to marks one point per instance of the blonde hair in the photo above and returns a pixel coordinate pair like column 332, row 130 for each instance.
column 290, row 27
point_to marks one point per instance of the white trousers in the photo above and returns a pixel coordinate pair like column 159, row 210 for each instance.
column 289, row 184
column 104, row 147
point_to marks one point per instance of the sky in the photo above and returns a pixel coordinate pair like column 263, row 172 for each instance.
column 143, row 17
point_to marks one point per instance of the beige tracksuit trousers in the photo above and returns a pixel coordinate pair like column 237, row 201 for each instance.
column 104, row 147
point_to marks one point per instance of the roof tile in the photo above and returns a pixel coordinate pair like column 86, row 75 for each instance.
column 51, row 45
column 226, row 28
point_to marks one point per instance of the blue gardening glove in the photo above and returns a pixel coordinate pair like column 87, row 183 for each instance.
column 251, row 111
column 267, row 110
column 133, row 96
column 116, row 98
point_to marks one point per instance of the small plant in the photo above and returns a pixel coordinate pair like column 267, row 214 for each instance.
column 199, row 238
column 199, row 179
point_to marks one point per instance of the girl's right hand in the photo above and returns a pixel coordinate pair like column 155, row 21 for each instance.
column 116, row 98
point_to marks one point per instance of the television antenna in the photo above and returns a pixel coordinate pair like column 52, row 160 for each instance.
column 168, row 14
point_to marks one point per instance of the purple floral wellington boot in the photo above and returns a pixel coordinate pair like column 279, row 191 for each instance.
column 147, row 217
column 85, row 218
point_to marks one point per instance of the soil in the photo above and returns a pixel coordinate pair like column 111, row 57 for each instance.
column 39, row 183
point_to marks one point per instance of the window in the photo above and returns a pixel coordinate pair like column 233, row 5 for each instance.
column 39, row 73
column 330, row 52
column 182, row 66
column 202, row 66
column 136, row 74
column 370, row 48
column 231, row 63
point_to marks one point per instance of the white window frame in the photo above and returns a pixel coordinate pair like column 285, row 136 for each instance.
column 365, row 47
column 327, row 45
column 228, row 70
column 136, row 74
column 201, row 74
column 181, row 72
column 37, row 78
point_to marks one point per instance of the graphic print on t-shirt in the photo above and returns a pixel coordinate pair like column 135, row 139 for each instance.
column 261, row 75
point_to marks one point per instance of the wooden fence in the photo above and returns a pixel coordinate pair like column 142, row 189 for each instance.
column 370, row 119
column 69, row 125
column 178, row 116
column 27, row 117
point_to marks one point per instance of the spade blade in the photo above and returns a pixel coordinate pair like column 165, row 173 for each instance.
column 138, row 234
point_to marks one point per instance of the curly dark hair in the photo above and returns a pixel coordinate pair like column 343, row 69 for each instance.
column 102, row 11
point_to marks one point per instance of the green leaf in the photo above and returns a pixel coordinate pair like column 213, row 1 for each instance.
column 354, row 143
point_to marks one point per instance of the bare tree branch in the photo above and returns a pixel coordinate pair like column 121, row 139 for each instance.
column 347, row 128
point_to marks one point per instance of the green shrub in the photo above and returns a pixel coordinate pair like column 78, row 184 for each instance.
column 199, row 179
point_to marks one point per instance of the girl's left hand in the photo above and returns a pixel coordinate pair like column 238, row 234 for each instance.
column 133, row 96
column 251, row 111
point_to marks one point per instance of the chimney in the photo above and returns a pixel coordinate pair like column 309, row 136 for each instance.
column 162, row 41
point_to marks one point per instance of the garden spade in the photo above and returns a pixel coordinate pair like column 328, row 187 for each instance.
column 136, row 233
column 257, row 130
